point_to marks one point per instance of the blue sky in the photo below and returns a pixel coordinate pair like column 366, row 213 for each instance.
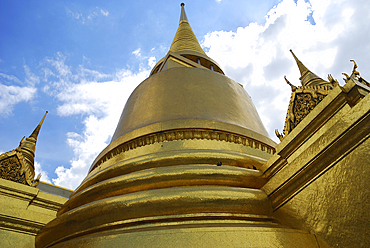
column 81, row 60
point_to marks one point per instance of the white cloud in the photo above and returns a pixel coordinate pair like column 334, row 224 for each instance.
column 31, row 79
column 83, row 18
column 104, row 12
column 75, row 15
column 152, row 61
column 98, row 97
column 137, row 52
column 10, row 78
column 258, row 55
column 13, row 94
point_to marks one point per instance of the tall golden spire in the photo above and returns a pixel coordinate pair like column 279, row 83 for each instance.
column 185, row 51
column 28, row 148
column 185, row 38
column 308, row 78
column 35, row 132
column 29, row 145
column 21, row 160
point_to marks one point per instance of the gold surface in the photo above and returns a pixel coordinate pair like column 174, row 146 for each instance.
column 187, row 58
column 188, row 94
column 167, row 177
column 24, row 210
column 185, row 39
column 336, row 205
column 182, row 140
column 202, row 235
column 185, row 50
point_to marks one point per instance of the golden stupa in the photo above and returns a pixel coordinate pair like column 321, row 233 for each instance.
column 191, row 165
column 181, row 169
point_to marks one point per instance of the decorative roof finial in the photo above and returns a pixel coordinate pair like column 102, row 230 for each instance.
column 291, row 85
column 183, row 16
column 35, row 132
column 185, row 38
column 302, row 69
column 308, row 78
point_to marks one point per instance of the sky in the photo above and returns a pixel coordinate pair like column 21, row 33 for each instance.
column 81, row 60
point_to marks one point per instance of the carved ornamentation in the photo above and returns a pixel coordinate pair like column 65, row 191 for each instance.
column 303, row 100
column 355, row 75
column 185, row 134
column 14, row 167
column 306, row 97
column 11, row 167
column 303, row 105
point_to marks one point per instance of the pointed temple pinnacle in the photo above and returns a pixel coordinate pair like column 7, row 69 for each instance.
column 308, row 78
column 303, row 69
column 35, row 132
column 185, row 38
column 183, row 16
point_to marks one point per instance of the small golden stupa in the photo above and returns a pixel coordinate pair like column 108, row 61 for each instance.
column 191, row 165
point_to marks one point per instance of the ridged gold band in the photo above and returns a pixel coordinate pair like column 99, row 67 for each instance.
column 167, row 177
column 184, row 134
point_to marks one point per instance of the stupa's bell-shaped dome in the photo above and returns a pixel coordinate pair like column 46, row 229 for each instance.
column 181, row 169
column 187, row 89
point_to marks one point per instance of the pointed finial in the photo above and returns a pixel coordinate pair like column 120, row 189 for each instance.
column 354, row 72
column 308, row 78
column 35, row 132
column 291, row 85
column 333, row 81
column 185, row 38
column 347, row 77
column 303, row 69
column 279, row 135
column 183, row 16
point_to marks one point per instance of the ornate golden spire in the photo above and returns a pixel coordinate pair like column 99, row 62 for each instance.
column 35, row 133
column 306, row 97
column 308, row 78
column 18, row 165
column 28, row 146
column 185, row 38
